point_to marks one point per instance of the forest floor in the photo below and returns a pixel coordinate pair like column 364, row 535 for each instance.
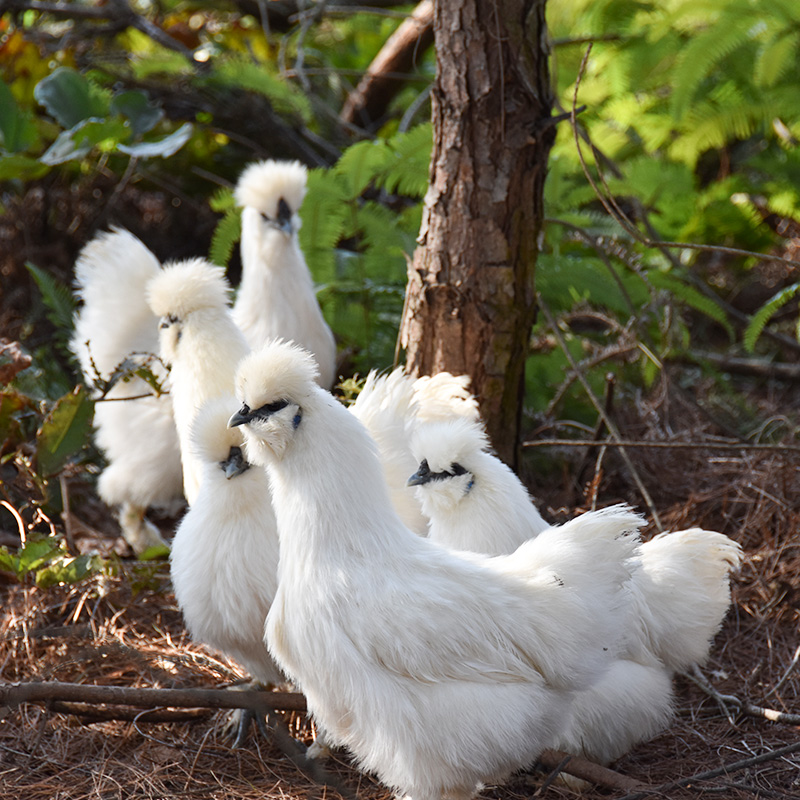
column 125, row 630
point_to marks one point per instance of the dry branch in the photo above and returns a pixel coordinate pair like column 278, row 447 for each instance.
column 370, row 98
column 726, row 769
column 588, row 771
column 659, row 445
column 12, row 694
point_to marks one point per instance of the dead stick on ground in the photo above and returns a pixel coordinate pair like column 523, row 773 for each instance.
column 775, row 448
column 12, row 694
column 743, row 706
column 588, row 771
column 727, row 769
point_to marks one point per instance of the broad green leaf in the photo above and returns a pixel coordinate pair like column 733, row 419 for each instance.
column 17, row 131
column 79, row 141
column 69, row 97
column 164, row 148
column 136, row 106
column 21, row 168
column 35, row 553
column 64, row 431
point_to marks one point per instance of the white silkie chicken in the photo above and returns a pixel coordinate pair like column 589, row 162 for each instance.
column 438, row 670
column 678, row 593
column 391, row 407
column 276, row 297
column 113, row 324
column 224, row 555
column 201, row 343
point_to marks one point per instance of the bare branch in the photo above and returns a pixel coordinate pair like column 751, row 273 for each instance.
column 775, row 448
column 370, row 98
column 588, row 771
column 12, row 694
column 726, row 769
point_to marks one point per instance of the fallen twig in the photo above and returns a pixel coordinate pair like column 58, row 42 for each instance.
column 726, row 769
column 588, row 771
column 777, row 448
column 12, row 694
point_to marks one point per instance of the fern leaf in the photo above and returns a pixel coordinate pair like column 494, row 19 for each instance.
column 56, row 296
column 222, row 200
column 409, row 172
column 776, row 59
column 701, row 56
column 361, row 163
column 761, row 317
column 226, row 234
column 692, row 298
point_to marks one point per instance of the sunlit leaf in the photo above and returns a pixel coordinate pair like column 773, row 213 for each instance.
column 64, row 431
column 164, row 148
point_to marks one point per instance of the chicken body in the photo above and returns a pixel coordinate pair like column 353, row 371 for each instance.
column 114, row 323
column 201, row 343
column 224, row 555
column 438, row 670
column 276, row 297
column 678, row 592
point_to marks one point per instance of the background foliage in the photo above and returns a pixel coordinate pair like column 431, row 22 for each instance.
column 144, row 115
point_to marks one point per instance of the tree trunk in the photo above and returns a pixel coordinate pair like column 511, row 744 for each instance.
column 470, row 300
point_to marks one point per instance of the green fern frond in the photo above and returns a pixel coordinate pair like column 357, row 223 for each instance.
column 56, row 296
column 776, row 59
column 692, row 298
column 226, row 234
column 222, row 200
column 361, row 163
column 244, row 74
column 701, row 56
column 409, row 173
column 326, row 213
column 762, row 316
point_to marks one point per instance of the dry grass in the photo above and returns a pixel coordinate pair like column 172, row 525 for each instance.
column 102, row 631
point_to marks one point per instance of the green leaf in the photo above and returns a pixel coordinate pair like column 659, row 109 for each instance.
column 69, row 97
column 164, row 148
column 77, row 142
column 21, row 168
column 17, row 131
column 35, row 553
column 136, row 106
column 226, row 234
column 761, row 317
column 64, row 431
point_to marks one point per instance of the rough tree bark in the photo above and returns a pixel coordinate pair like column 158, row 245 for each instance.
column 470, row 300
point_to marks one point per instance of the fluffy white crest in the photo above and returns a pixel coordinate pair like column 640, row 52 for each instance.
column 211, row 438
column 187, row 286
column 455, row 441
column 280, row 370
column 263, row 184
column 442, row 395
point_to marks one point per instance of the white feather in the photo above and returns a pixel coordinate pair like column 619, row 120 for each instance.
column 201, row 343
column 277, row 297
column 439, row 670
column 224, row 556
column 113, row 323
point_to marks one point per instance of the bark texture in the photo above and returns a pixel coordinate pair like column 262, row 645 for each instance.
column 470, row 299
